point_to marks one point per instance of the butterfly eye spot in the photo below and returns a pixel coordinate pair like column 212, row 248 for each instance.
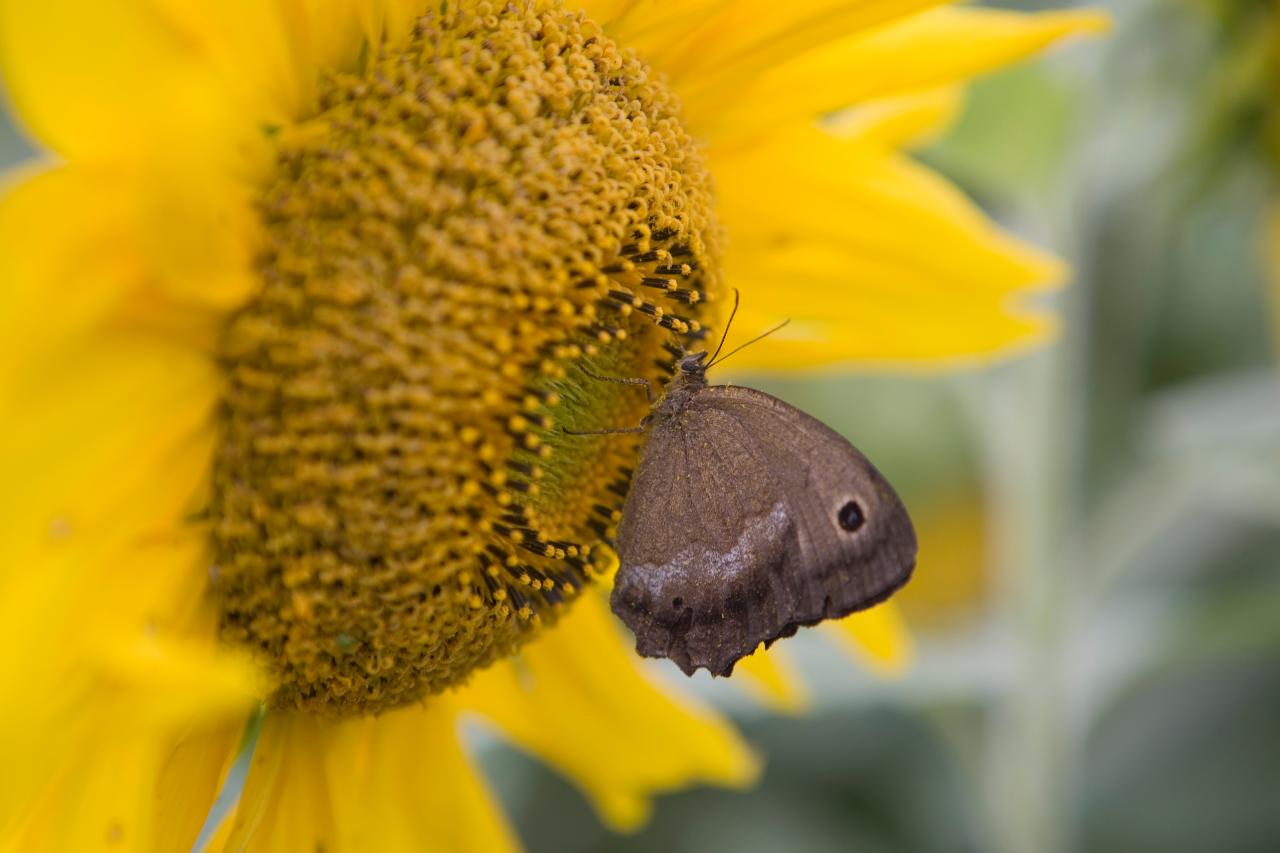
column 850, row 516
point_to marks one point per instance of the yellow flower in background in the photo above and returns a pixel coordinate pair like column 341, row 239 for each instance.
column 293, row 311
column 1234, row 119
column 1271, row 259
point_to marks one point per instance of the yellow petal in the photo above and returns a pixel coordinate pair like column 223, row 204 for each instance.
column 604, row 12
column 768, row 674
column 872, row 256
column 93, row 79
column 110, row 448
column 403, row 779
column 287, row 803
column 114, row 438
column 856, row 198
column 188, row 782
column 163, row 108
column 388, row 20
column 904, row 121
column 130, row 625
column 268, row 53
column 158, row 584
column 75, row 563
column 104, row 803
column 650, row 26
column 219, row 839
column 1271, row 255
column 952, row 577
column 877, row 637
column 324, row 34
column 578, row 699
column 738, row 39
column 106, row 757
column 68, row 259
column 173, row 682
column 96, row 695
column 927, row 50
column 197, row 231
column 97, row 80
column 88, row 245
column 399, row 781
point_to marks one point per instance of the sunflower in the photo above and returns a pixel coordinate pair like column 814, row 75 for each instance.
column 295, row 311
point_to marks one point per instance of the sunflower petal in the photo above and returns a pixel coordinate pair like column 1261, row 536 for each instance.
column 767, row 673
column 287, row 802
column 96, row 80
column 107, row 803
column 188, row 782
column 165, row 108
column 877, row 638
column 62, row 231
column 604, row 12
column 87, row 245
column 651, row 26
column 1271, row 260
column 199, row 252
column 149, row 403
column 93, row 79
column 81, row 727
column 90, row 688
column 103, row 761
column 927, row 50
column 170, row 682
column 387, row 20
column 738, row 39
column 81, row 632
column 110, row 450
column 324, row 34
column 404, row 778
column 882, row 260
column 904, row 121
column 576, row 693
column 131, row 624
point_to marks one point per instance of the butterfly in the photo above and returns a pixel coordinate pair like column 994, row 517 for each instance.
column 746, row 520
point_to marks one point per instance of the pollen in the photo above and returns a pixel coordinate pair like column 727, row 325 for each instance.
column 469, row 225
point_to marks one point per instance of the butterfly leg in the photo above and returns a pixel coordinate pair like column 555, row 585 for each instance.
column 635, row 430
column 648, row 386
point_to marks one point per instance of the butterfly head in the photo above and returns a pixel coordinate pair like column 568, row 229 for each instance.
column 692, row 364
column 689, row 379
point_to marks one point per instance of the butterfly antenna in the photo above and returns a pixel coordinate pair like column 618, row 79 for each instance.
column 758, row 337
column 726, row 327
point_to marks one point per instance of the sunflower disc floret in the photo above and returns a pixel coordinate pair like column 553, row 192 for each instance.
column 463, row 224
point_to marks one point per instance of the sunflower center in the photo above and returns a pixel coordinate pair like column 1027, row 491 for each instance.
column 469, row 220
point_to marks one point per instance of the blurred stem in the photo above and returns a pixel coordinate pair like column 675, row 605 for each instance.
column 1028, row 459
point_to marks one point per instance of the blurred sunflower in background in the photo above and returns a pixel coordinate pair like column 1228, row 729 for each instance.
column 1238, row 109
column 1227, row 134
column 294, row 309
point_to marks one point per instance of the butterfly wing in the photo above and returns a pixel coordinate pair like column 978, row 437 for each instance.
column 747, row 519
column 694, row 548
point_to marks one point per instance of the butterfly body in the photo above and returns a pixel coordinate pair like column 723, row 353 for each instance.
column 746, row 520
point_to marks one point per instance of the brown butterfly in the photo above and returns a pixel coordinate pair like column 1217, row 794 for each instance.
column 746, row 520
